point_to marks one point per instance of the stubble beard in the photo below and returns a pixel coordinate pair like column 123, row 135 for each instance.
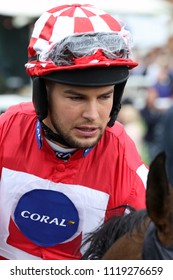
column 71, row 141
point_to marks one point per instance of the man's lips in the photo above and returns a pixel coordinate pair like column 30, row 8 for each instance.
column 86, row 131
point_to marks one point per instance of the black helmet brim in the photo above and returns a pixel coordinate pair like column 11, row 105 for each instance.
column 92, row 76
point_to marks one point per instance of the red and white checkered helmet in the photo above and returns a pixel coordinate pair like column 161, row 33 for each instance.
column 71, row 21
column 78, row 45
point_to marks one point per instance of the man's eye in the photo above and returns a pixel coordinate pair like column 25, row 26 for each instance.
column 75, row 98
column 105, row 97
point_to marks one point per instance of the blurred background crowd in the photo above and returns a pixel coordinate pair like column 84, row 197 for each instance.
column 149, row 92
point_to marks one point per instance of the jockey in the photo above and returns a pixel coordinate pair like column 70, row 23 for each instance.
column 65, row 161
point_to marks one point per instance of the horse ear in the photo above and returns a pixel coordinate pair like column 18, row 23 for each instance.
column 157, row 194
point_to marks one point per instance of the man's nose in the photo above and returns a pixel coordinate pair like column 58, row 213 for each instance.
column 91, row 111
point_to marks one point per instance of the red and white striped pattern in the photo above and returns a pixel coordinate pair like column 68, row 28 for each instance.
column 66, row 20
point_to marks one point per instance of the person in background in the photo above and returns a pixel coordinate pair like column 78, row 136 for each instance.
column 166, row 140
column 151, row 116
column 132, row 121
column 65, row 162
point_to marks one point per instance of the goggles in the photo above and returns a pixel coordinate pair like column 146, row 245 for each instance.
column 110, row 45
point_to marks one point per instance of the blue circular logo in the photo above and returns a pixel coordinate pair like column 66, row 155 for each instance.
column 46, row 217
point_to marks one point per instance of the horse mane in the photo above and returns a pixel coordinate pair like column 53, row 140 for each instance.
column 102, row 238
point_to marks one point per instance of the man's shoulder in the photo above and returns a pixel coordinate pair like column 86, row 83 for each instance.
column 117, row 129
column 116, row 136
column 122, row 145
column 18, row 112
column 25, row 108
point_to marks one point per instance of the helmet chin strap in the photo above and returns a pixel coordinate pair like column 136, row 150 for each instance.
column 49, row 134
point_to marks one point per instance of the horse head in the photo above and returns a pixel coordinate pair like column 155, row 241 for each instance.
column 125, row 237
column 159, row 207
column 159, row 200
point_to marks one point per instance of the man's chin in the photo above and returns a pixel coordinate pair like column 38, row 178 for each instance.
column 77, row 142
column 86, row 143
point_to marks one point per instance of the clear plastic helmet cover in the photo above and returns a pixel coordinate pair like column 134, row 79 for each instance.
column 111, row 45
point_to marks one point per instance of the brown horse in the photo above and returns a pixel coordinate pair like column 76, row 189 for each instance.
column 131, row 236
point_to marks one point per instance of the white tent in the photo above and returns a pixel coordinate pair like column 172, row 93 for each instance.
column 33, row 8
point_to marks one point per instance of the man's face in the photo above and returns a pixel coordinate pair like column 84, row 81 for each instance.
column 79, row 114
